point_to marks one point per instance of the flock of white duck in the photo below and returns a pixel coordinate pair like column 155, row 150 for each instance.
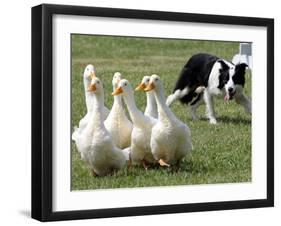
column 107, row 139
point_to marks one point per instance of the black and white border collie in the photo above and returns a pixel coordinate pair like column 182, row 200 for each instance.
column 205, row 76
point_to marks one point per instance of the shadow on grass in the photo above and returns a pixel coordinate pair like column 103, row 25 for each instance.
column 182, row 166
column 230, row 120
column 186, row 165
column 234, row 120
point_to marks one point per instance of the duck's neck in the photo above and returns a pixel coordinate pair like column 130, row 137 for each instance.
column 135, row 114
column 88, row 95
column 150, row 103
column 164, row 112
column 117, row 99
column 97, row 111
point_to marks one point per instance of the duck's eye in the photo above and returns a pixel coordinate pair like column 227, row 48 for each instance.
column 156, row 79
column 125, row 84
column 98, row 82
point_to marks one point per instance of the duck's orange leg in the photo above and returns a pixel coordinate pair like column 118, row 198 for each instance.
column 163, row 163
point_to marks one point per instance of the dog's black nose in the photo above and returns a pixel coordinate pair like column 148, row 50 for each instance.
column 230, row 89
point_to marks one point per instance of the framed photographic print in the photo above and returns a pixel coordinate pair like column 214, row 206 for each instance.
column 146, row 112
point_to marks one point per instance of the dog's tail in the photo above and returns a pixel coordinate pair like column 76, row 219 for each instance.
column 187, row 87
column 182, row 88
column 186, row 95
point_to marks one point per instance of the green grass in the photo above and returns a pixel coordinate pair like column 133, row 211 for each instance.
column 222, row 152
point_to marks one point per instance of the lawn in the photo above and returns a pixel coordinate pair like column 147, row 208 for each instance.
column 222, row 152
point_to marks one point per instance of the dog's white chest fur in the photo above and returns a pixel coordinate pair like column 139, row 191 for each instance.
column 213, row 82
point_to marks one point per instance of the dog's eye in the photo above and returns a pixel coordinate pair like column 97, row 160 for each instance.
column 226, row 78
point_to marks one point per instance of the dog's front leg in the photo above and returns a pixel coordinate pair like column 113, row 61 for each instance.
column 210, row 112
column 241, row 99
column 194, row 105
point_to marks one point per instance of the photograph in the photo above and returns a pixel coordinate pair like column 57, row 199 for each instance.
column 150, row 112
column 141, row 112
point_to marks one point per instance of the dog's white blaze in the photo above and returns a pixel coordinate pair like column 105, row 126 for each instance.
column 230, row 83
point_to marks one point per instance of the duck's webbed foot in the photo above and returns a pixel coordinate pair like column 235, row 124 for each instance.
column 163, row 163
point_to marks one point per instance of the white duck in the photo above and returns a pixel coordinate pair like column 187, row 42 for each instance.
column 117, row 123
column 140, row 139
column 151, row 106
column 170, row 138
column 88, row 74
column 95, row 143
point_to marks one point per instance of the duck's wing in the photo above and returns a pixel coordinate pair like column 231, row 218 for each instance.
column 126, row 152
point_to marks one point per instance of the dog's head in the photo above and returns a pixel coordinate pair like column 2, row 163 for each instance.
column 230, row 77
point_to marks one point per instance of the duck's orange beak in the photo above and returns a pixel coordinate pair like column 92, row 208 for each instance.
column 140, row 87
column 117, row 91
column 92, row 88
column 149, row 87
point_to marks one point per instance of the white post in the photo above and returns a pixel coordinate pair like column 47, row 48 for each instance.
column 244, row 55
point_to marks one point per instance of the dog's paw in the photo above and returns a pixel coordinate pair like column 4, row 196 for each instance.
column 213, row 121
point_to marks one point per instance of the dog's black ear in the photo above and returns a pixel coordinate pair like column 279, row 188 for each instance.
column 224, row 66
column 239, row 76
column 241, row 67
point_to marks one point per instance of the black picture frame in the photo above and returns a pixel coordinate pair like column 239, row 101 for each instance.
column 42, row 108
